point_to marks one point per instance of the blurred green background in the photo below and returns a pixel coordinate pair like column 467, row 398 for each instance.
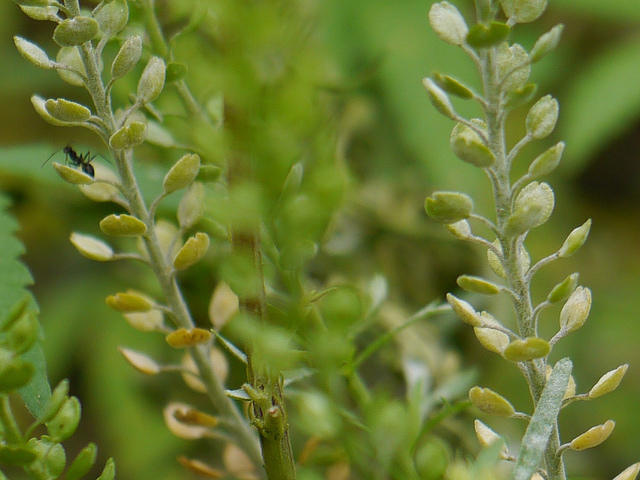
column 396, row 147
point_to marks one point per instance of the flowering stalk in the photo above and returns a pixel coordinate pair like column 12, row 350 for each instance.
column 520, row 206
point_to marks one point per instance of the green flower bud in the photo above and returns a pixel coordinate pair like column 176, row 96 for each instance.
column 152, row 80
column 123, row 225
column 593, row 437
column 608, row 382
column 542, row 117
column 452, row 86
column 70, row 57
column 16, row 373
column 183, row 338
column 130, row 301
column 151, row 321
column 22, row 333
column 51, row 458
column 182, row 174
column 191, row 206
column 75, row 31
column 109, row 471
column 513, row 66
column 140, row 361
column 448, row 207
column 523, row 11
column 83, row 462
column 65, row 422
column 493, row 340
column 439, row 98
column 192, row 252
column 629, row 473
column 546, row 43
column 15, row 454
column 533, row 207
column 91, row 247
column 465, row 311
column 575, row 240
column 488, row 437
column 209, row 173
column 48, row 12
column 484, row 36
column 127, row 57
column 527, row 349
column 58, row 397
column 547, row 161
column 490, row 402
column 33, row 53
column 99, row 190
column 460, row 229
column 129, row 136
column 38, row 105
column 576, row 310
column 112, row 17
column 66, row 111
column 562, row 290
column 448, row 23
column 474, row 284
column 175, row 72
column 72, row 175
column 469, row 147
column 520, row 96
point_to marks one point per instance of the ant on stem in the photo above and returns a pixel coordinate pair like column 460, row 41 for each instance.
column 82, row 160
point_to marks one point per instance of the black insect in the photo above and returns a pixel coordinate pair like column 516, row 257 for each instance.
column 82, row 160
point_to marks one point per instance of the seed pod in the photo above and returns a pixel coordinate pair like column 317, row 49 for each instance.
column 193, row 250
column 75, row 31
column 123, row 225
column 608, row 382
column 448, row 207
column 65, row 421
column 527, row 349
column 448, row 23
column 152, row 80
column 33, row 53
column 490, row 402
column 575, row 240
column 593, row 437
column 129, row 136
column 542, row 117
column 127, row 57
column 91, row 247
column 439, row 98
column 469, row 147
column 182, row 174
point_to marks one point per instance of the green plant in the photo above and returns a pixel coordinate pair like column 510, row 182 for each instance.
column 520, row 206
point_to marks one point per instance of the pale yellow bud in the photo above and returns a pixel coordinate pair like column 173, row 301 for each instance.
column 140, row 361
column 593, row 437
column 91, row 247
column 123, row 225
column 608, row 382
column 629, row 473
column 183, row 338
column 490, row 402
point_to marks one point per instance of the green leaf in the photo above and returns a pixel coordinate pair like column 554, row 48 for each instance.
column 542, row 422
column 13, row 282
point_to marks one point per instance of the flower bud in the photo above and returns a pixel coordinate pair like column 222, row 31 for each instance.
column 209, row 173
column 109, row 470
column 488, row 437
column 224, row 305
column 66, row 111
column 32, row 3
column 99, row 190
column 39, row 106
column 448, row 207
column 191, row 206
column 65, row 421
column 122, row 225
column 542, row 117
column 182, row 174
column 70, row 57
column 474, row 284
column 493, row 340
column 200, row 468
column 175, row 71
column 520, row 96
column 469, row 147
column 575, row 240
column 57, row 398
column 523, row 11
column 562, row 290
column 129, row 136
column 593, row 437
column 127, row 57
column 152, row 80
column 608, row 382
column 527, row 349
column 182, row 337
column 112, row 17
column 460, row 229
column 150, row 321
column 130, row 301
column 533, row 207
column 482, row 35
column 141, row 362
column 452, row 86
column 629, row 473
column 546, row 43
column 22, row 333
column 547, row 161
column 465, row 311
column 192, row 251
column 33, row 53
column 83, row 462
column 439, row 98
column 75, row 31
column 50, row 458
column 490, row 402
column 576, row 310
column 15, row 373
column 174, row 412
column 72, row 175
column 91, row 247
column 514, row 67
column 448, row 23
